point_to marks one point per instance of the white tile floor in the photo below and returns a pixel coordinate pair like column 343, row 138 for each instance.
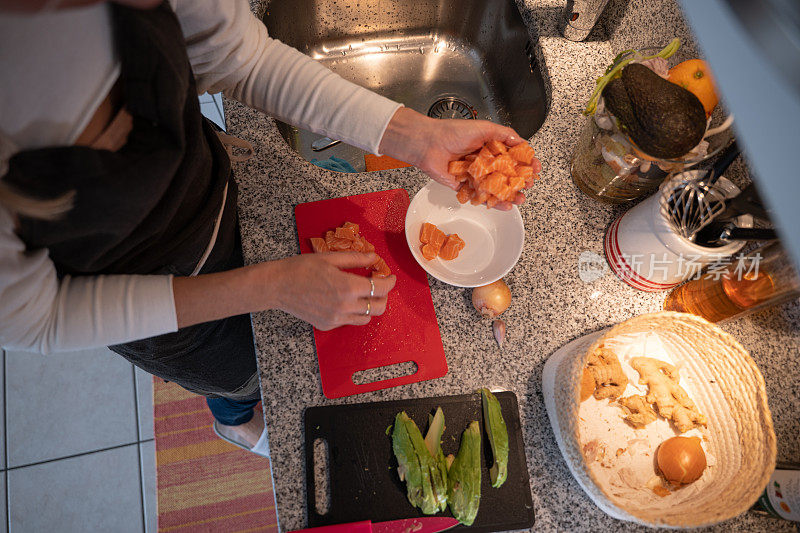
column 76, row 436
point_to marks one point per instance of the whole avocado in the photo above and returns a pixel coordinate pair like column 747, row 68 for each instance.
column 662, row 118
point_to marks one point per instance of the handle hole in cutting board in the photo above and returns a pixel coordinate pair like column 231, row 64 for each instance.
column 322, row 477
column 382, row 373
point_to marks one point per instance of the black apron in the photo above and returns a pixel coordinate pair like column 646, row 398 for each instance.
column 150, row 207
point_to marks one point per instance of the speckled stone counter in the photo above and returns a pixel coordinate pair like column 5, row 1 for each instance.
column 551, row 305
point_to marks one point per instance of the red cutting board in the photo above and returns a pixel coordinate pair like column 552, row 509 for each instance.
column 408, row 330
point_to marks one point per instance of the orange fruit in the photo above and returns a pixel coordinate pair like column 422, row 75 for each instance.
column 695, row 76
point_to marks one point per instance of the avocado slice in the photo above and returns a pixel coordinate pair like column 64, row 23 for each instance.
column 661, row 118
column 495, row 427
column 464, row 477
column 414, row 464
column 433, row 441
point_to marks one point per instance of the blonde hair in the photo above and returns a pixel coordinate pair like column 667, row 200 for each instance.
column 19, row 203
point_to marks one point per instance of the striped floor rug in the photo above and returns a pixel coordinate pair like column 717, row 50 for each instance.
column 204, row 483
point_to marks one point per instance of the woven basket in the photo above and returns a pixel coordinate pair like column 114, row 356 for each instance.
column 730, row 391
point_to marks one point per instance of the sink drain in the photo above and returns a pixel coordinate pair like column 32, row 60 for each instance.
column 452, row 107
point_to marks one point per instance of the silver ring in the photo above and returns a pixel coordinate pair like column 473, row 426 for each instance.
column 369, row 308
column 371, row 288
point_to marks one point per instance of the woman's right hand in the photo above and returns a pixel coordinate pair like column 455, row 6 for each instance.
column 314, row 288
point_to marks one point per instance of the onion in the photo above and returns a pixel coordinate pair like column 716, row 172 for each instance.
column 681, row 459
column 492, row 299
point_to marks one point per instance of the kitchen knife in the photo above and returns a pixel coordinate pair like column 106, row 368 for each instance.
column 428, row 524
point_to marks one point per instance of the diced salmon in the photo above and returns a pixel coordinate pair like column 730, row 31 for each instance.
column 345, row 233
column 506, row 194
column 458, row 167
column 340, row 245
column 353, row 226
column 426, row 232
column 329, row 236
column 493, row 183
column 452, row 246
column 496, row 147
column 462, row 177
column 524, row 171
column 480, row 167
column 357, row 245
column 523, row 152
column 504, row 164
column 381, row 268
column 492, row 201
column 479, row 198
column 428, row 252
column 368, row 247
column 464, row 193
column 516, row 183
column 470, row 157
column 437, row 238
column 318, row 245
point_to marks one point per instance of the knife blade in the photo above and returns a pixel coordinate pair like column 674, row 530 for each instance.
column 428, row 524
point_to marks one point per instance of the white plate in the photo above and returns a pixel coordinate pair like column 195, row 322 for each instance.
column 493, row 238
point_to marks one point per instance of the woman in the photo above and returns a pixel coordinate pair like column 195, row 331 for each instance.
column 117, row 203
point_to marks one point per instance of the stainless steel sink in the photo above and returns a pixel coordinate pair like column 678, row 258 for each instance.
column 445, row 58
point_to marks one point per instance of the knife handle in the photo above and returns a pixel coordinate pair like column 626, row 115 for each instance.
column 352, row 527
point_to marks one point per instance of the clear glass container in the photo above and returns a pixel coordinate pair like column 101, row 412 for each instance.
column 763, row 278
column 607, row 165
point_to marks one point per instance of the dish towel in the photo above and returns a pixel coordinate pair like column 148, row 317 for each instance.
column 334, row 163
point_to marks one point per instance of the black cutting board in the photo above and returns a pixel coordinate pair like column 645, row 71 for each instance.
column 363, row 479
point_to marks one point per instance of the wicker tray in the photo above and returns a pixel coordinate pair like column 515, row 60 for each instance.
column 730, row 391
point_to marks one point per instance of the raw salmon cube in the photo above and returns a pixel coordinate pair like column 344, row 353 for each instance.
column 516, row 183
column 523, row 152
column 458, row 167
column 493, row 183
column 470, row 157
column 452, row 246
column 381, row 268
column 492, row 201
column 357, row 245
column 504, row 164
column 480, row 167
column 428, row 251
column 340, row 245
column 437, row 238
column 496, row 147
column 426, row 232
column 318, row 245
column 525, row 171
column 462, row 177
column 329, row 236
column 368, row 247
column 345, row 233
column 465, row 193
column 480, row 197
column 351, row 225
column 507, row 194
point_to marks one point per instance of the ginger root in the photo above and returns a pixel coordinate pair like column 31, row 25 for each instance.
column 638, row 410
column 671, row 400
column 609, row 377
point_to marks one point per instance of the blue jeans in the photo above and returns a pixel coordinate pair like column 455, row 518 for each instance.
column 231, row 412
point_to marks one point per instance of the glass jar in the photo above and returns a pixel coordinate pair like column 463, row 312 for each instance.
column 763, row 278
column 607, row 166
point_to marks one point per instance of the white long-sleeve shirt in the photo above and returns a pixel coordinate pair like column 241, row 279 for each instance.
column 58, row 67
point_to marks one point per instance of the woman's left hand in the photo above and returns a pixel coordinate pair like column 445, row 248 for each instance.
column 430, row 144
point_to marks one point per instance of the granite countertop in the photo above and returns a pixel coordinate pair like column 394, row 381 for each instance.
column 551, row 305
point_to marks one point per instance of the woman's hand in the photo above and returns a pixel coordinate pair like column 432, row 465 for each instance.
column 311, row 287
column 316, row 290
column 430, row 144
